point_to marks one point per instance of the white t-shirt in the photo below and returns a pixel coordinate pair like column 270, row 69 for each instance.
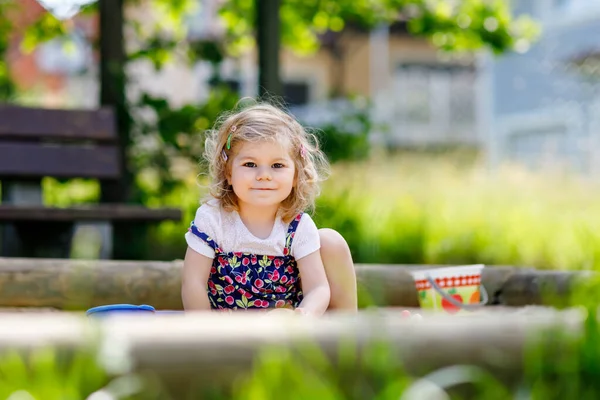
column 229, row 232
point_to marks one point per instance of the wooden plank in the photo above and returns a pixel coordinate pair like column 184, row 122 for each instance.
column 81, row 284
column 217, row 349
column 100, row 212
column 65, row 284
column 33, row 160
column 39, row 123
column 21, row 310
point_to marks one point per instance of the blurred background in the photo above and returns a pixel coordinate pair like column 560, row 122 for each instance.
column 459, row 131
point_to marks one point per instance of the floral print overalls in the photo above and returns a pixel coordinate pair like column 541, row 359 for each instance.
column 252, row 281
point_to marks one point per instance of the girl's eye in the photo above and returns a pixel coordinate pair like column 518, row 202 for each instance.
column 250, row 165
column 278, row 165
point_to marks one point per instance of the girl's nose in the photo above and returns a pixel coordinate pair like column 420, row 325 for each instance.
column 263, row 174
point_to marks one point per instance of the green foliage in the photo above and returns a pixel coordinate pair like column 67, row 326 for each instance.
column 7, row 88
column 160, row 35
column 469, row 25
column 157, row 49
column 307, row 372
column 453, row 25
column 51, row 373
column 45, row 28
column 64, row 193
column 47, row 374
column 180, row 133
column 562, row 363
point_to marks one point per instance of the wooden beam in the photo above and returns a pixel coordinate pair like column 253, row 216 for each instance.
column 17, row 122
column 36, row 160
column 97, row 212
column 209, row 346
column 80, row 284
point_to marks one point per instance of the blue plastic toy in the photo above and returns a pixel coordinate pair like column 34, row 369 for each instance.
column 119, row 309
column 109, row 309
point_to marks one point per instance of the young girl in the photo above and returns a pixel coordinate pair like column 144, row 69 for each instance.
column 251, row 245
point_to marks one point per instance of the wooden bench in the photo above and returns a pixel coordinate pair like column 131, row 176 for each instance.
column 38, row 143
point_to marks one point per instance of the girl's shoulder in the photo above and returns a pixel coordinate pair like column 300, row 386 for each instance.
column 304, row 223
column 306, row 238
column 210, row 206
column 209, row 214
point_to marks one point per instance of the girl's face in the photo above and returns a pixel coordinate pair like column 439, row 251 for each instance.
column 262, row 174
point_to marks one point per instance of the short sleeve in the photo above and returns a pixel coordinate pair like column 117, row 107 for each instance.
column 206, row 220
column 306, row 240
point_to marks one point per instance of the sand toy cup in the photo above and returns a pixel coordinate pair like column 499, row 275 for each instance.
column 454, row 290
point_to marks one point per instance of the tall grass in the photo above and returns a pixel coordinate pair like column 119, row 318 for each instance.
column 415, row 208
column 434, row 210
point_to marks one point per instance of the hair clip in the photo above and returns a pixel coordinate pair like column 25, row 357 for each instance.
column 231, row 131
column 224, row 155
column 302, row 151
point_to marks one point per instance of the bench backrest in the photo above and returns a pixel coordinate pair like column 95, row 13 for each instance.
column 60, row 143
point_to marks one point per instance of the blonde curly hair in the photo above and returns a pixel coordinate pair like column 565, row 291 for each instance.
column 258, row 122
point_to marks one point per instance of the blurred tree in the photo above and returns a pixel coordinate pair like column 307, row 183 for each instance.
column 451, row 24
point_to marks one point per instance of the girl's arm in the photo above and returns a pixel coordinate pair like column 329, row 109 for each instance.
column 314, row 285
column 196, row 269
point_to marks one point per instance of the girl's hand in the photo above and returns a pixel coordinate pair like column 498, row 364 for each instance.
column 286, row 311
column 302, row 311
column 281, row 311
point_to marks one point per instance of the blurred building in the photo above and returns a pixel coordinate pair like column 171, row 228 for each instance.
column 420, row 97
column 543, row 103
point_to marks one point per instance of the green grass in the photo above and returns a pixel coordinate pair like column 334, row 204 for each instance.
column 424, row 209
column 432, row 210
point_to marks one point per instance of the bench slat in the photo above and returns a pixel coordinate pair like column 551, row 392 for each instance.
column 38, row 123
column 34, row 160
column 103, row 212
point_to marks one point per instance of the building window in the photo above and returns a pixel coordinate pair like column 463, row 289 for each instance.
column 433, row 102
